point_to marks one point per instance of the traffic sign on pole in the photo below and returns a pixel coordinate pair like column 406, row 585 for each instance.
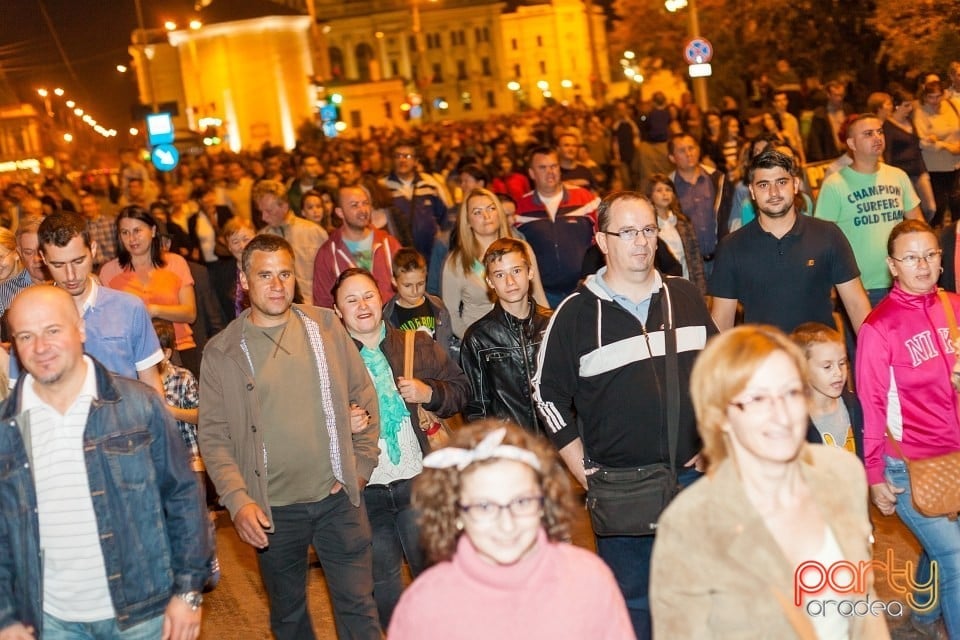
column 165, row 157
column 698, row 51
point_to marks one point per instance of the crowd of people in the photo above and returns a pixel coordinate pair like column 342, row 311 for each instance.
column 570, row 283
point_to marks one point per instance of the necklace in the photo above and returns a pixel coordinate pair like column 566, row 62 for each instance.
column 279, row 347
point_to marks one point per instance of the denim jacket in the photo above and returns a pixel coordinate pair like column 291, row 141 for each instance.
column 149, row 508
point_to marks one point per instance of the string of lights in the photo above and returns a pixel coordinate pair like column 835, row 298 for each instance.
column 78, row 111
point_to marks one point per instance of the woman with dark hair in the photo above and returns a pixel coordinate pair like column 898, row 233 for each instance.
column 317, row 206
column 160, row 278
column 437, row 384
column 902, row 148
column 495, row 518
column 676, row 230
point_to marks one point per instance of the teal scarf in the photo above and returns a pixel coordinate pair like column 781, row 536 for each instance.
column 393, row 411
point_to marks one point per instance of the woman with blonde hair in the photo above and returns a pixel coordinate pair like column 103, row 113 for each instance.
column 495, row 518
column 741, row 551
column 464, row 289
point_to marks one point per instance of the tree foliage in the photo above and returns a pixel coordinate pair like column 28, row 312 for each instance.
column 869, row 39
column 918, row 34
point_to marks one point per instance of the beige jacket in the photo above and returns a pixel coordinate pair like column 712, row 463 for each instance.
column 230, row 437
column 718, row 573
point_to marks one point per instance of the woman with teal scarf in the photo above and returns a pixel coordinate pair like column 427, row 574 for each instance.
column 438, row 384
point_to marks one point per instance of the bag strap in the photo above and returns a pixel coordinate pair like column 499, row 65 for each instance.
column 896, row 445
column 948, row 311
column 408, row 342
column 673, row 378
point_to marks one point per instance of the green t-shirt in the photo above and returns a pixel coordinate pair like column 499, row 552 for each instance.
column 866, row 207
column 292, row 420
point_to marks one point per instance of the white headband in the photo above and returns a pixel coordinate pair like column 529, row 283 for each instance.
column 487, row 448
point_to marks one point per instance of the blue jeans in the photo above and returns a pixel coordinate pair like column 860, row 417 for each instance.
column 340, row 535
column 57, row 629
column 629, row 559
column 940, row 539
column 395, row 535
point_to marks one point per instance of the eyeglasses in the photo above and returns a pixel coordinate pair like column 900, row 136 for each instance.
column 912, row 261
column 631, row 234
column 522, row 507
column 403, row 156
column 763, row 403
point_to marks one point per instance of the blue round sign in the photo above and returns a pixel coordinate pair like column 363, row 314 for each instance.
column 698, row 51
column 165, row 157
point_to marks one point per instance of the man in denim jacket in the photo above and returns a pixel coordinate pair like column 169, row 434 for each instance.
column 102, row 523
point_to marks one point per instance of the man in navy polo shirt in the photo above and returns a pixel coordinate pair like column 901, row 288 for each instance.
column 782, row 266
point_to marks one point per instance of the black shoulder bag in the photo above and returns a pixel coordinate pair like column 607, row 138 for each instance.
column 628, row 501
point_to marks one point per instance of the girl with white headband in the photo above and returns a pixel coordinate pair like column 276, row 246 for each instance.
column 495, row 517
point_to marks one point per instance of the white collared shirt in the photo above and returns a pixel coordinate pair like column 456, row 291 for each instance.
column 75, row 585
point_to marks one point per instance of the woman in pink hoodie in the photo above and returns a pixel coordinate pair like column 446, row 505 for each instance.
column 905, row 361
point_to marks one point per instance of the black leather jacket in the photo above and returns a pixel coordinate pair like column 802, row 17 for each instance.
column 499, row 357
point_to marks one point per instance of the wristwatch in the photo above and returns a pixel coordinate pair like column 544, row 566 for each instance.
column 192, row 598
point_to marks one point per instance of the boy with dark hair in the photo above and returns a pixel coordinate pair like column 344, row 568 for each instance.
column 412, row 308
column 499, row 350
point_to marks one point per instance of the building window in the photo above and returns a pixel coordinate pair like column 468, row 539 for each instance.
column 539, row 41
column 513, row 44
column 388, row 110
column 486, row 34
column 412, row 43
column 491, row 100
column 437, row 73
column 356, row 120
column 543, row 67
column 467, row 101
column 461, row 70
column 482, row 34
column 394, row 69
column 516, row 71
column 458, row 38
column 336, row 62
column 485, row 66
column 365, row 56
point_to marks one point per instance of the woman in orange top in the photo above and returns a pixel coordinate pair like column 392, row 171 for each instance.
column 160, row 278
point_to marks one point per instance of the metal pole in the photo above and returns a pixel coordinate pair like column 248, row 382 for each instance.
column 699, row 84
column 143, row 56
column 596, row 83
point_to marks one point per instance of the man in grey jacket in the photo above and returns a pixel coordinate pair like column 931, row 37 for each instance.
column 276, row 389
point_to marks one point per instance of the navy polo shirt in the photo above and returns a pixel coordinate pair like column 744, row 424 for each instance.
column 784, row 281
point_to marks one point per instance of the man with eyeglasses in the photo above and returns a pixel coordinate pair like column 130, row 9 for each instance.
column 867, row 200
column 419, row 201
column 782, row 266
column 601, row 381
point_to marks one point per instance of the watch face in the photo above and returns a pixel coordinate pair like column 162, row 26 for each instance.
column 193, row 598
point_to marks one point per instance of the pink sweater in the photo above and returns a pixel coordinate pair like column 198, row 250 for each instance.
column 558, row 591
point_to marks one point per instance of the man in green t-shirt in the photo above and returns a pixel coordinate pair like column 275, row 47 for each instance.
column 866, row 200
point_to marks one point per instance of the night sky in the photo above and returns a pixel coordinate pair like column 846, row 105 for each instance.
column 94, row 35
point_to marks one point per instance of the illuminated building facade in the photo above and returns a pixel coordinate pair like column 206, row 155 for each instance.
column 260, row 77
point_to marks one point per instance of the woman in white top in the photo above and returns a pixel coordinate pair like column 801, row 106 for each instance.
column 741, row 552
column 938, row 124
column 464, row 289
